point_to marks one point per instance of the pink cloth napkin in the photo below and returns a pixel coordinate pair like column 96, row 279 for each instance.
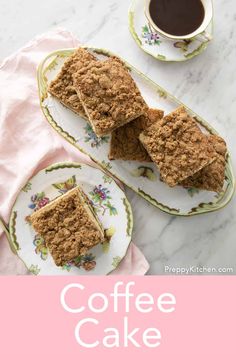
column 28, row 143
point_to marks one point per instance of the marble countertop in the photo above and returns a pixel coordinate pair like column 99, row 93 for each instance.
column 207, row 84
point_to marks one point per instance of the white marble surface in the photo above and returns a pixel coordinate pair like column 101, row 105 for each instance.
column 207, row 84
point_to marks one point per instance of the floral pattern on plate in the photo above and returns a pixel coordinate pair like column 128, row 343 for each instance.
column 101, row 200
column 92, row 137
column 151, row 37
column 87, row 262
column 38, row 201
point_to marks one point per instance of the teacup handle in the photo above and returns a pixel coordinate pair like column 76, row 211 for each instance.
column 204, row 37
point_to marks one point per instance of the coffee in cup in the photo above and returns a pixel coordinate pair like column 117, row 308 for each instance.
column 179, row 19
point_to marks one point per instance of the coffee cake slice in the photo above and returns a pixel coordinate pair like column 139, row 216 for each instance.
column 211, row 177
column 178, row 147
column 125, row 143
column 109, row 95
column 68, row 225
column 62, row 87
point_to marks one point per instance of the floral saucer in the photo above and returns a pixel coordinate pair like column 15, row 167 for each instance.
column 159, row 47
column 110, row 205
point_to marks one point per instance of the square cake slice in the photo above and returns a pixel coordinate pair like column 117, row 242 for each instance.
column 109, row 95
column 68, row 225
column 62, row 87
column 211, row 177
column 125, row 143
column 178, row 147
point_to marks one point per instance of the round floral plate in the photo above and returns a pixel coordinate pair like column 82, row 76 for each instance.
column 143, row 178
column 158, row 46
column 108, row 200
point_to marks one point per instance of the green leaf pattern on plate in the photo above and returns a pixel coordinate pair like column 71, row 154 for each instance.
column 34, row 269
column 116, row 261
column 192, row 191
column 144, row 171
column 27, row 187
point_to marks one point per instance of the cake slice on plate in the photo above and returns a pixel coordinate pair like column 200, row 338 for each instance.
column 69, row 226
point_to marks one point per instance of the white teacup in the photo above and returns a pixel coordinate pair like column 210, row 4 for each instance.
column 200, row 32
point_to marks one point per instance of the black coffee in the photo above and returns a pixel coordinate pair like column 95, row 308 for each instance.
column 177, row 17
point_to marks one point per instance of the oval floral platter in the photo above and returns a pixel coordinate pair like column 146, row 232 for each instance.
column 108, row 200
column 143, row 178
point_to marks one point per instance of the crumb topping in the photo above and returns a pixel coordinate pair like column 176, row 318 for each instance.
column 125, row 143
column 109, row 95
column 211, row 177
column 178, row 147
column 67, row 226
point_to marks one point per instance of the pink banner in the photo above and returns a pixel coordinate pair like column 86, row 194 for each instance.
column 118, row 314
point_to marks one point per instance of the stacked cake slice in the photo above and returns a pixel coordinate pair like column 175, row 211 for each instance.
column 62, row 87
column 109, row 95
column 101, row 91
